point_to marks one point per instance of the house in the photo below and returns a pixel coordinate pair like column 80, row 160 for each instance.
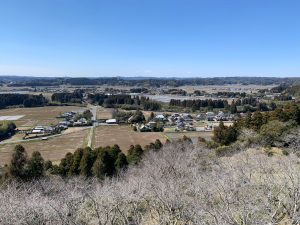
column 210, row 116
column 180, row 126
column 111, row 121
column 220, row 116
column 64, row 123
column 187, row 118
column 201, row 116
column 189, row 127
column 144, row 128
column 160, row 117
column 151, row 124
column 38, row 130
column 78, row 123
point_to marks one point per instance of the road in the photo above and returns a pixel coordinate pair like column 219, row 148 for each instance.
column 91, row 134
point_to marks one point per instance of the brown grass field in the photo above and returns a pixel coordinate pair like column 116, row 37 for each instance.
column 104, row 113
column 53, row 149
column 190, row 134
column 38, row 115
column 124, row 136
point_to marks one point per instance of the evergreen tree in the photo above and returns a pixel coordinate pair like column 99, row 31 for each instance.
column 74, row 169
column 257, row 120
column 17, row 167
column 121, row 161
column 134, row 154
column 104, row 165
column 36, row 165
column 98, row 168
column 48, row 165
column 86, row 162
column 114, row 151
column 65, row 164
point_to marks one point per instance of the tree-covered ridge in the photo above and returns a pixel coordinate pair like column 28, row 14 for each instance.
column 180, row 184
column 146, row 82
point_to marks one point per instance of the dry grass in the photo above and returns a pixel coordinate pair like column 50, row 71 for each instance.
column 38, row 115
column 104, row 113
column 190, row 134
column 124, row 136
column 53, row 149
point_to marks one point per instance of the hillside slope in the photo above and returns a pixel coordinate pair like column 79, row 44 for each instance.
column 180, row 184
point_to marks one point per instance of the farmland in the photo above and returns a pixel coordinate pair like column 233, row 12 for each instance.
column 52, row 149
column 104, row 113
column 193, row 135
column 124, row 136
column 38, row 115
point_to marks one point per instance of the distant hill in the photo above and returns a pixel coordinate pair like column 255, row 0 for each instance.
column 20, row 81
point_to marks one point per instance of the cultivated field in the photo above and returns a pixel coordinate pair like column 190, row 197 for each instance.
column 124, row 136
column 38, row 115
column 53, row 149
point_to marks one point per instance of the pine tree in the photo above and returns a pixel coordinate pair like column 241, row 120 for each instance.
column 114, row 151
column 74, row 169
column 18, row 162
column 65, row 164
column 98, row 168
column 121, row 161
column 48, row 165
column 134, row 154
column 104, row 165
column 36, row 165
column 86, row 162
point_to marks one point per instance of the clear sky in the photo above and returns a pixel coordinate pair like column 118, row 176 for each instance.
column 185, row 38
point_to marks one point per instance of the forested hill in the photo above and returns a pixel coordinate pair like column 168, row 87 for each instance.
column 138, row 81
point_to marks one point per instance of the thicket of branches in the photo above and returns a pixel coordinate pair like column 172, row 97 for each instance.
column 180, row 184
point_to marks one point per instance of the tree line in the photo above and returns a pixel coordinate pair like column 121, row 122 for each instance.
column 198, row 103
column 66, row 97
column 25, row 100
column 85, row 162
column 112, row 101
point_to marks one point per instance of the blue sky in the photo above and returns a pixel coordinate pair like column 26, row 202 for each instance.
column 184, row 38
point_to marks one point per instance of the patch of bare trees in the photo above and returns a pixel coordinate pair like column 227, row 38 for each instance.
column 180, row 184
